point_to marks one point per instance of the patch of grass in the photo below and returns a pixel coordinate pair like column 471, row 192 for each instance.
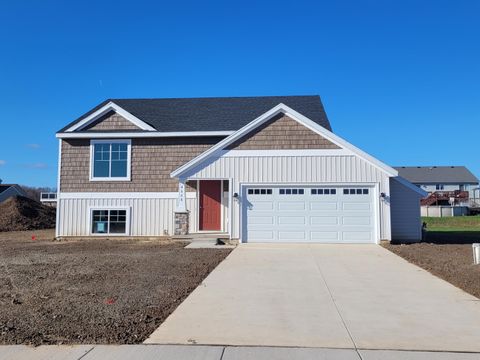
column 454, row 223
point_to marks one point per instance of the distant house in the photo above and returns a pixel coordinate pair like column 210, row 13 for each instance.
column 434, row 179
column 9, row 190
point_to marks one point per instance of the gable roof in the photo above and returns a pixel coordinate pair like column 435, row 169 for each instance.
column 209, row 114
column 282, row 108
column 437, row 174
column 5, row 187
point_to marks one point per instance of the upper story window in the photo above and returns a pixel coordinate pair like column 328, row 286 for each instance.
column 439, row 187
column 110, row 160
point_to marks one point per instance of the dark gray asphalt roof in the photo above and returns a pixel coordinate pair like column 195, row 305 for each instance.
column 4, row 187
column 436, row 174
column 212, row 114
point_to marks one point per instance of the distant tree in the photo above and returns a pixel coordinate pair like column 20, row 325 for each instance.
column 34, row 192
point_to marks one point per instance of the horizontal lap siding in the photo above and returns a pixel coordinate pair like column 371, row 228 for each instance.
column 301, row 169
column 149, row 217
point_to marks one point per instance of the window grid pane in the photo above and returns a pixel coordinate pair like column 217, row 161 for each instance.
column 110, row 160
column 109, row 221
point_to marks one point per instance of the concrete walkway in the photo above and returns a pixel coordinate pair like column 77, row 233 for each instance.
column 324, row 296
column 197, row 352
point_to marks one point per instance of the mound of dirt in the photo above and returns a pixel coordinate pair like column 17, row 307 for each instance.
column 20, row 213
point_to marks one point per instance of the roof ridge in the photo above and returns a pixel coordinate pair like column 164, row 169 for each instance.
column 214, row 97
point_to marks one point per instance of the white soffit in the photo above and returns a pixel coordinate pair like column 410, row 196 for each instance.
column 139, row 134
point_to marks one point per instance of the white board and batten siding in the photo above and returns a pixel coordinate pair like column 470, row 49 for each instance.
column 405, row 212
column 337, row 170
column 148, row 216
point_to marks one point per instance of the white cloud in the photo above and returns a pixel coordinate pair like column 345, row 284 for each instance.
column 2, row 162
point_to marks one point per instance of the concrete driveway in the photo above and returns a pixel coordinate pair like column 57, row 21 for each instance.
column 332, row 296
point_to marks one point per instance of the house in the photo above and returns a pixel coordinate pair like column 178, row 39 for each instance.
column 256, row 169
column 445, row 180
column 9, row 190
column 48, row 198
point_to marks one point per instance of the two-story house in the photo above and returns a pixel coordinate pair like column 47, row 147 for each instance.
column 256, row 169
column 444, row 179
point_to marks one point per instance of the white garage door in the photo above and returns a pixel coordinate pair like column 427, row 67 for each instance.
column 323, row 214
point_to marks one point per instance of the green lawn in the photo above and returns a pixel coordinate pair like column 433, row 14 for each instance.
column 455, row 223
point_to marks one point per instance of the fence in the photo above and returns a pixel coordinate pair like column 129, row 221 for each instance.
column 444, row 211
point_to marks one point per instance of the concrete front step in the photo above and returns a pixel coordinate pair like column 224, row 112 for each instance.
column 208, row 244
column 201, row 236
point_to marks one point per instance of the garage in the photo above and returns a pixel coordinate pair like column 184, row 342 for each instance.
column 320, row 214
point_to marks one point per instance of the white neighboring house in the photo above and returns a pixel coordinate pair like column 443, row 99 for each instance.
column 443, row 179
column 9, row 190
column 253, row 169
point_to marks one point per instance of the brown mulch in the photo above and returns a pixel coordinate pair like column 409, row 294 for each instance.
column 20, row 213
column 93, row 291
column 452, row 261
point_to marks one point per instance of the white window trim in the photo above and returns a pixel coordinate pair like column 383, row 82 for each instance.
column 129, row 159
column 91, row 209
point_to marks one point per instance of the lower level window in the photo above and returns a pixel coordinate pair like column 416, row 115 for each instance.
column 109, row 221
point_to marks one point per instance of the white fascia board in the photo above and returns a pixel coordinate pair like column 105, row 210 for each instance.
column 411, row 186
column 282, row 108
column 111, row 106
column 131, row 135
column 123, row 195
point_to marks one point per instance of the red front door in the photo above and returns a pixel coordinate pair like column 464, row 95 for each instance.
column 210, row 205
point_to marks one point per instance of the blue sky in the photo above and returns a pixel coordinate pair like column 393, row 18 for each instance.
column 399, row 79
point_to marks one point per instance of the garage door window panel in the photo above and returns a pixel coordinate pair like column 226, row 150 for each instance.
column 291, row 191
column 323, row 191
column 259, row 191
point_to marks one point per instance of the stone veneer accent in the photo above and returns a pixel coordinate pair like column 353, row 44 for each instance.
column 111, row 121
column 282, row 132
column 153, row 159
column 181, row 223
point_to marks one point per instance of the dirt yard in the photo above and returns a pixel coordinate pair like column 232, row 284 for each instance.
column 93, row 291
column 448, row 255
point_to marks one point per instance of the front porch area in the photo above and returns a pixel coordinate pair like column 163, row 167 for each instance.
column 210, row 217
